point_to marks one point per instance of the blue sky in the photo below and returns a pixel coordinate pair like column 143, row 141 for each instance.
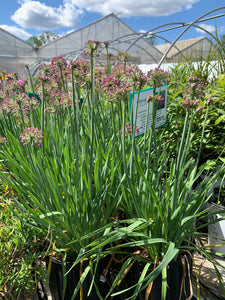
column 24, row 18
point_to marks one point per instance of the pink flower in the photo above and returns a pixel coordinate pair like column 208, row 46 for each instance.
column 3, row 141
column 158, row 77
column 129, row 131
column 193, row 94
column 91, row 46
column 32, row 135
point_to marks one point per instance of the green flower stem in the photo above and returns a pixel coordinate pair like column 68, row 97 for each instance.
column 202, row 134
column 75, row 123
column 128, row 178
column 31, row 81
column 43, row 114
column 146, row 126
column 62, row 79
column 108, row 61
column 92, row 115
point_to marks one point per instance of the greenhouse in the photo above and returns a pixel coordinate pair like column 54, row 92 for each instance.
column 15, row 53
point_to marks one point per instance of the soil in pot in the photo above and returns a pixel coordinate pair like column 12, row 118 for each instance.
column 56, row 280
column 179, row 286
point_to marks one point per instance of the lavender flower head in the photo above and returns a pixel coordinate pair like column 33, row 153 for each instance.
column 123, row 56
column 3, row 140
column 20, row 122
column 158, row 77
column 91, row 46
column 80, row 69
column 193, row 93
column 137, row 78
column 46, row 70
column 32, row 135
column 58, row 62
column 129, row 131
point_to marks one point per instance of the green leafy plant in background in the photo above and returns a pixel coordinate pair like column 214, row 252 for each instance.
column 213, row 142
column 21, row 253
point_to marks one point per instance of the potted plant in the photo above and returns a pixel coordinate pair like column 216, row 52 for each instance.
column 82, row 176
column 160, row 185
column 64, row 167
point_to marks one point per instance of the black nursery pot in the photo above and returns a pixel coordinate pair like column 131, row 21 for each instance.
column 73, row 277
column 179, row 275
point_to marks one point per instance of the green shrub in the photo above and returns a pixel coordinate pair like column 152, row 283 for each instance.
column 20, row 269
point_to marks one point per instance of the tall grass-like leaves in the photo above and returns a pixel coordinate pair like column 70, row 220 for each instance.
column 165, row 191
column 88, row 170
column 70, row 184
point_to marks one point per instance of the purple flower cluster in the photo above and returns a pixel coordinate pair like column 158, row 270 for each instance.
column 32, row 135
column 58, row 62
column 10, row 106
column 81, row 69
column 157, row 77
column 137, row 78
column 121, row 82
column 91, row 46
column 17, row 102
column 193, row 93
column 129, row 131
column 14, row 85
column 57, row 100
column 3, row 140
column 122, row 56
column 46, row 70
column 116, row 85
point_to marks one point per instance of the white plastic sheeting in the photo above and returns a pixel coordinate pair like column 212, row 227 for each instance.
column 15, row 53
column 107, row 29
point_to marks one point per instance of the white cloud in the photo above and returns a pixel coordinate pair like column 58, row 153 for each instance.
column 37, row 15
column 209, row 28
column 34, row 14
column 222, row 29
column 134, row 7
column 16, row 31
column 142, row 31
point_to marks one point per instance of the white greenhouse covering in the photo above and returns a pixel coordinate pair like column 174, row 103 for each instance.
column 15, row 53
column 109, row 28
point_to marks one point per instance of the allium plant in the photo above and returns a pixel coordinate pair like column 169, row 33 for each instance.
column 117, row 85
column 129, row 131
column 91, row 47
column 3, row 140
column 32, row 135
column 157, row 77
column 194, row 93
column 65, row 160
column 123, row 57
column 83, row 172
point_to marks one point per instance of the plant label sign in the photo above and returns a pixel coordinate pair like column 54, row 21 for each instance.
column 139, row 106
